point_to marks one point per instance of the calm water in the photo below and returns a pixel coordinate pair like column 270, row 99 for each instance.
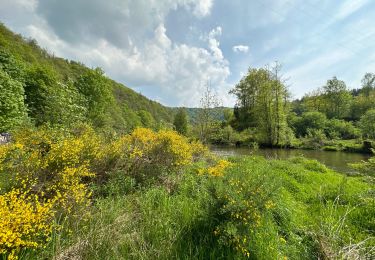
column 334, row 160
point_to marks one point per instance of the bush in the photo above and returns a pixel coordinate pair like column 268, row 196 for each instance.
column 340, row 129
column 309, row 121
column 314, row 139
column 367, row 124
column 145, row 154
column 49, row 171
column 25, row 222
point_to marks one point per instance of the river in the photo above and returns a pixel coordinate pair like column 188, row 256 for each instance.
column 334, row 160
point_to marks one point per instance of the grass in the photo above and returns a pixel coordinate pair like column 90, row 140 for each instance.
column 315, row 213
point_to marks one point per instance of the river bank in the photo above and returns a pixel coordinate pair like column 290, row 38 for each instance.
column 335, row 160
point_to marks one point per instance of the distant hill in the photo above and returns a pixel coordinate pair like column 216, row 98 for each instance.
column 128, row 108
column 217, row 112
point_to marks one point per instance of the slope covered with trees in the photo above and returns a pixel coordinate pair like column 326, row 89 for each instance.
column 39, row 88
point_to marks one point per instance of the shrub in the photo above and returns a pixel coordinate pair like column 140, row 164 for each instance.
column 25, row 222
column 49, row 171
column 52, row 164
column 340, row 129
column 367, row 124
column 309, row 121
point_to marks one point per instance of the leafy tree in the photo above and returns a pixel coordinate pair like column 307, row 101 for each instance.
column 180, row 121
column 229, row 118
column 146, row 119
column 262, row 102
column 367, row 124
column 309, row 121
column 12, row 106
column 131, row 118
column 314, row 101
column 40, row 86
column 66, row 105
column 96, row 88
column 336, row 128
column 12, row 66
column 361, row 104
column 337, row 98
column 368, row 83
column 365, row 98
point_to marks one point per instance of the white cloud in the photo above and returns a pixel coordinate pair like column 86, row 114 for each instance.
column 214, row 44
column 177, row 70
column 203, row 8
column 137, row 51
column 240, row 48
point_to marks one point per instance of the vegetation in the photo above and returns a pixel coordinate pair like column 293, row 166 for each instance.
column 40, row 88
column 155, row 194
column 94, row 171
column 181, row 121
column 330, row 118
column 262, row 103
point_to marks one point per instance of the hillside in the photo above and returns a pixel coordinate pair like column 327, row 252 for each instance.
column 42, row 76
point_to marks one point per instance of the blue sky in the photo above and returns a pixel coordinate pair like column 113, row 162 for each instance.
column 169, row 49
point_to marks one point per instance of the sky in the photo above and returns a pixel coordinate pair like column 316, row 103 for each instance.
column 169, row 50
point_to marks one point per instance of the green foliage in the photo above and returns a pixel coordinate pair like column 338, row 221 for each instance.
column 362, row 103
column 367, row 124
column 309, row 121
column 62, row 92
column 12, row 106
column 368, row 83
column 315, row 138
column 12, row 66
column 181, row 122
column 337, row 97
column 366, row 167
column 146, row 119
column 95, row 87
column 261, row 103
column 340, row 129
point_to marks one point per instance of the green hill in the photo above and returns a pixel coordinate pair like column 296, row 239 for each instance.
column 41, row 88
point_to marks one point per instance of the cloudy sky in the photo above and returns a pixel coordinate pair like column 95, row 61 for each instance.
column 169, row 49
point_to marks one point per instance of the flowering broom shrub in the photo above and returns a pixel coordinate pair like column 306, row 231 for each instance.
column 147, row 154
column 52, row 164
column 48, row 172
column 243, row 202
column 25, row 222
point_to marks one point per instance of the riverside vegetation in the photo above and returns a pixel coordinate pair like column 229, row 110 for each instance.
column 95, row 171
column 78, row 194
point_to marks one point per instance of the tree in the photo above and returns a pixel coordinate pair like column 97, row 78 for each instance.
column 12, row 66
column 368, row 83
column 40, row 84
column 367, row 124
column 337, row 98
column 314, row 101
column 12, row 106
column 96, row 88
column 262, row 103
column 180, row 121
column 146, row 119
column 207, row 115
column 309, row 121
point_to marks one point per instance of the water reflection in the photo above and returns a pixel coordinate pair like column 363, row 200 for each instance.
column 334, row 160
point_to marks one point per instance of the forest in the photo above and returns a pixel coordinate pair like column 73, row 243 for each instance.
column 90, row 169
column 332, row 117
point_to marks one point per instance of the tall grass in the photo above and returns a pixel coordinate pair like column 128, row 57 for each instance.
column 306, row 211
